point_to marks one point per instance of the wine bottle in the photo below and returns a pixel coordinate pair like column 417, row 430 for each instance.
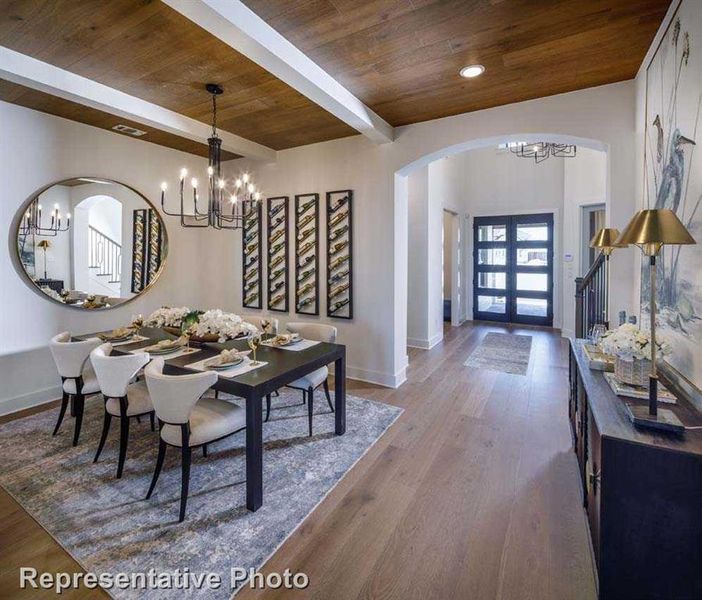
column 337, row 233
column 302, row 222
column 305, row 302
column 339, row 203
column 277, row 222
column 275, row 274
column 305, row 274
column 338, row 261
column 305, row 247
column 249, row 262
column 277, row 299
column 275, row 288
column 305, row 288
column 251, row 275
column 340, row 275
column 339, row 290
column 251, row 299
column 249, row 287
column 276, row 261
column 275, row 210
column 338, row 247
column 277, row 247
column 307, row 260
column 276, row 235
column 251, row 247
column 337, row 219
column 305, row 234
column 339, row 305
column 301, row 209
column 250, row 236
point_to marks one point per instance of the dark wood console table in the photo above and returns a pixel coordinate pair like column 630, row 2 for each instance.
column 642, row 492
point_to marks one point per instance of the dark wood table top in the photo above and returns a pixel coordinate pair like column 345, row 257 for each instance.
column 612, row 419
column 284, row 366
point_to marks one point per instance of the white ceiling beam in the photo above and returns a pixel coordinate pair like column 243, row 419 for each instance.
column 243, row 30
column 37, row 75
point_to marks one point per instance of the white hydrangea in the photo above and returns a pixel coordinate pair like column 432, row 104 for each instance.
column 167, row 317
column 629, row 342
column 225, row 325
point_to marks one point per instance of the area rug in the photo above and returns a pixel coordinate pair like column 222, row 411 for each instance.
column 504, row 352
column 108, row 527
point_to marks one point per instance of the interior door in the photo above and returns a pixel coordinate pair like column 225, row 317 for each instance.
column 513, row 269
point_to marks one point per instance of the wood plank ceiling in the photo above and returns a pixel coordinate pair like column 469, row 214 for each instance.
column 400, row 57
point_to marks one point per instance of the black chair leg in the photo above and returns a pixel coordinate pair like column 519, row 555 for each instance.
column 79, row 406
column 105, row 429
column 185, row 481
column 151, row 418
column 138, row 419
column 310, row 407
column 326, row 393
column 62, row 412
column 159, row 465
column 268, row 407
column 204, row 450
column 276, row 393
column 123, row 439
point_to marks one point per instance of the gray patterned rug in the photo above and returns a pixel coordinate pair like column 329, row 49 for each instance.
column 504, row 352
column 107, row 526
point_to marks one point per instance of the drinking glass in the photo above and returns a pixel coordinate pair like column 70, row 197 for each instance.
column 254, row 341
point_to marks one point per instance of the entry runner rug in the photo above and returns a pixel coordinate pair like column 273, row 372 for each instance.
column 504, row 352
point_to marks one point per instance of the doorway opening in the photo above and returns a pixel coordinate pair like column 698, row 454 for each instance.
column 513, row 269
column 451, row 267
column 593, row 218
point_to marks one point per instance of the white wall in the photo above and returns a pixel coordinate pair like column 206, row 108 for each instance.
column 418, row 260
column 204, row 266
column 36, row 149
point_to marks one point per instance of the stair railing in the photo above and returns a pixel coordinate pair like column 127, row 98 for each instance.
column 105, row 255
column 591, row 298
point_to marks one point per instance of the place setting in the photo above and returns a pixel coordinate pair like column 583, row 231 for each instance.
column 229, row 363
column 289, row 341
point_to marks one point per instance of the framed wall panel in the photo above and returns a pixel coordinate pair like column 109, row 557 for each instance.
column 154, row 246
column 340, row 254
column 139, row 250
column 278, row 220
column 307, row 254
column 252, row 259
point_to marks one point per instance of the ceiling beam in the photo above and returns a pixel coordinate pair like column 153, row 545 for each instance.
column 35, row 74
column 239, row 27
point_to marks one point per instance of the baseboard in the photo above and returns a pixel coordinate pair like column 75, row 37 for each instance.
column 568, row 333
column 378, row 377
column 12, row 405
column 425, row 344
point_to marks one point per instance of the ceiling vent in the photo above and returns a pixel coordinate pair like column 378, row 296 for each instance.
column 129, row 130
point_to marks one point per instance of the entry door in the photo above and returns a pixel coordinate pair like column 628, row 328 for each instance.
column 513, row 269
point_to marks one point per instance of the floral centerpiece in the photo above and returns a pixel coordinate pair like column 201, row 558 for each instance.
column 631, row 348
column 213, row 325
column 167, row 317
column 224, row 325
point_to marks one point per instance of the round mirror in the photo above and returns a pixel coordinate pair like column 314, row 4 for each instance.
column 90, row 243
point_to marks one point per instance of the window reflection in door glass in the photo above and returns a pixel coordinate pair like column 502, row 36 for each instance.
column 492, row 233
column 492, row 256
column 532, row 232
column 532, row 257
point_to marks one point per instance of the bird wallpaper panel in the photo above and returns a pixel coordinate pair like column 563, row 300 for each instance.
column 673, row 179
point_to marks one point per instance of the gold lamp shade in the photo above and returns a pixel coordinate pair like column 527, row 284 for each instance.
column 44, row 244
column 650, row 229
column 605, row 240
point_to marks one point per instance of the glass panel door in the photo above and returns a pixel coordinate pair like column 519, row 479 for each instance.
column 513, row 269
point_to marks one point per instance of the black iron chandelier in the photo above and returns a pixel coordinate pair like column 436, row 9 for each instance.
column 540, row 151
column 226, row 208
column 32, row 221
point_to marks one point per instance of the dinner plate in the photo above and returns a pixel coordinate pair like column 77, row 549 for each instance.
column 223, row 366
column 157, row 351
column 124, row 338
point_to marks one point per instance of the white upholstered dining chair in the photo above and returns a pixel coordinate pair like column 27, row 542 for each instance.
column 77, row 376
column 256, row 322
column 186, row 419
column 123, row 399
column 310, row 382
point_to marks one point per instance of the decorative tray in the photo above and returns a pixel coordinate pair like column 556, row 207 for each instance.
column 637, row 391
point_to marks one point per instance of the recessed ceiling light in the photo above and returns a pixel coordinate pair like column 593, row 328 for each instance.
column 472, row 71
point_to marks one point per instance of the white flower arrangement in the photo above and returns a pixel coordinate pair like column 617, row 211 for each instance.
column 52, row 293
column 167, row 317
column 628, row 342
column 225, row 325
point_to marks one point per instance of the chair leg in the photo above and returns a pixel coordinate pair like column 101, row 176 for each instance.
column 310, row 407
column 138, row 419
column 268, row 407
column 105, row 429
column 204, row 450
column 151, row 418
column 159, row 465
column 79, row 405
column 216, row 395
column 326, row 393
column 123, row 439
column 276, row 393
column 185, row 481
column 62, row 412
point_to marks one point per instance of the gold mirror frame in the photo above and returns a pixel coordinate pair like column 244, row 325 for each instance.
column 17, row 261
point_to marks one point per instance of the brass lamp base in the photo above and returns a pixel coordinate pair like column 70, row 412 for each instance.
column 663, row 420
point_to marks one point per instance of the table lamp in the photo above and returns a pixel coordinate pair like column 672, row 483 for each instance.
column 650, row 230
column 605, row 241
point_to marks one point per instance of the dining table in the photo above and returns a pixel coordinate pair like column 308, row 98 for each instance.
column 283, row 366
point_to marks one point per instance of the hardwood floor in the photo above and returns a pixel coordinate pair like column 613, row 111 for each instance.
column 472, row 493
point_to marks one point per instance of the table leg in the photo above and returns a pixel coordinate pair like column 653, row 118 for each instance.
column 254, row 452
column 340, row 394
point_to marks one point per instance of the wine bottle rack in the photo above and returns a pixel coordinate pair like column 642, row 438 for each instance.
column 340, row 254
column 307, row 254
column 252, row 259
column 277, row 228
